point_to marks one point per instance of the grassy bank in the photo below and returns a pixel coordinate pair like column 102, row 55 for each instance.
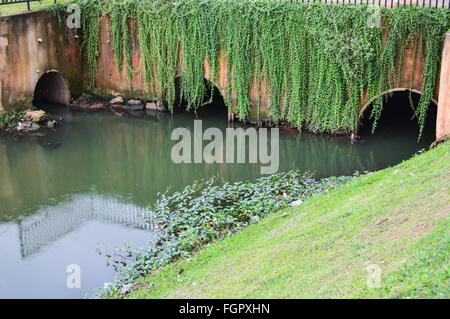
column 395, row 220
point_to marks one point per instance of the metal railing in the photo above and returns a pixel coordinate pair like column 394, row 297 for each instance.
column 388, row 3
column 381, row 3
column 21, row 1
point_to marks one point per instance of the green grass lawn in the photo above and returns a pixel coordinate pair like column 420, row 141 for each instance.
column 22, row 7
column 395, row 220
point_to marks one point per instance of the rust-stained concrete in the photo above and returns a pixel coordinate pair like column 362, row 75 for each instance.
column 410, row 79
column 109, row 80
column 32, row 44
column 443, row 114
column 23, row 60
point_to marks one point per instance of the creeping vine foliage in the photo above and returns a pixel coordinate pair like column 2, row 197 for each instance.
column 318, row 61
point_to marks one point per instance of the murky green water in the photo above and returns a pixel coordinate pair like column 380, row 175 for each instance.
column 64, row 193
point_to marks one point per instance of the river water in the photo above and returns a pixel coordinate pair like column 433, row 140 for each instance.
column 67, row 193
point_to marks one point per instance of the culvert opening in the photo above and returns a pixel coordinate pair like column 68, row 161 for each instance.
column 213, row 104
column 51, row 88
column 397, row 120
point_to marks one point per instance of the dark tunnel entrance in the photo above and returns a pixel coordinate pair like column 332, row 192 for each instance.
column 51, row 88
column 213, row 104
column 398, row 123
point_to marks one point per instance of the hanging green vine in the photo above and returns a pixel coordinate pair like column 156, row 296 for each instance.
column 319, row 61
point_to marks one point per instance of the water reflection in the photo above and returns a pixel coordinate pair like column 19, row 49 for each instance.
column 62, row 193
column 50, row 223
column 129, row 158
column 43, row 274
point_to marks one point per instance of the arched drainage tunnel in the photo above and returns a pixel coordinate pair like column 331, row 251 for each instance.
column 52, row 88
column 213, row 102
column 398, row 122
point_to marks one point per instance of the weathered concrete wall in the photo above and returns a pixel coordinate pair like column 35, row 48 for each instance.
column 443, row 114
column 109, row 79
column 410, row 79
column 24, row 59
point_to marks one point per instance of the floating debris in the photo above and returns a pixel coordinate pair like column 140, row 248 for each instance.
column 296, row 203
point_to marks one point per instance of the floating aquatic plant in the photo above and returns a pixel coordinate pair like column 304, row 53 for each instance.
column 188, row 220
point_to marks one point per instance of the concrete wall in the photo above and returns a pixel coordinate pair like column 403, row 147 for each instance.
column 443, row 114
column 108, row 80
column 24, row 58
column 410, row 79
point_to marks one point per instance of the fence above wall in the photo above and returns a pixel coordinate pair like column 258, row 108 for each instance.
column 388, row 3
column 382, row 3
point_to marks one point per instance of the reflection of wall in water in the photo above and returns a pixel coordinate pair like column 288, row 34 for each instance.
column 131, row 159
column 52, row 222
column 323, row 155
